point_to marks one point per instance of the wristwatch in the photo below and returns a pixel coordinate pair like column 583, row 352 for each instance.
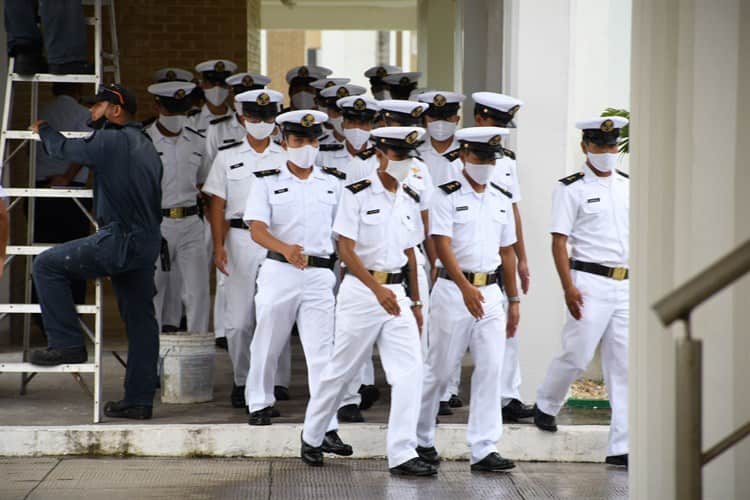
column 416, row 303
column 514, row 299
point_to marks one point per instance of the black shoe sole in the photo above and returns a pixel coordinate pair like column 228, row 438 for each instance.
column 342, row 453
column 546, row 428
column 58, row 363
column 398, row 472
column 492, row 469
column 312, row 463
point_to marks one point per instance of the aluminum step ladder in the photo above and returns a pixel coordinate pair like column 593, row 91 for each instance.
column 30, row 249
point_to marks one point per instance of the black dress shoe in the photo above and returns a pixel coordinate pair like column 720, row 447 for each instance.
column 53, row 357
column 455, row 401
column 332, row 443
column 350, row 413
column 121, row 409
column 260, row 417
column 516, row 410
column 29, row 61
column 445, row 409
column 617, row 460
column 221, row 343
column 72, row 68
column 311, row 455
column 281, row 393
column 414, row 467
column 369, row 394
column 544, row 421
column 429, row 455
column 169, row 329
column 237, row 397
column 493, row 463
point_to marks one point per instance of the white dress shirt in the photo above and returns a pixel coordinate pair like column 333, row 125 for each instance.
column 181, row 158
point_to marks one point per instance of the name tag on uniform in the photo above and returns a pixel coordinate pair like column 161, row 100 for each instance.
column 462, row 209
column 502, row 211
column 225, row 141
column 330, row 192
column 197, row 154
column 593, row 200
column 279, row 191
column 236, row 165
column 370, row 212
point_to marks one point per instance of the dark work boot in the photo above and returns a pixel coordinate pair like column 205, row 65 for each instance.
column 29, row 61
column 544, row 421
column 238, row 396
column 54, row 357
column 332, row 443
column 350, row 413
column 121, row 409
column 72, row 68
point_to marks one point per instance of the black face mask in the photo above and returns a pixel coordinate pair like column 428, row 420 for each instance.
column 97, row 124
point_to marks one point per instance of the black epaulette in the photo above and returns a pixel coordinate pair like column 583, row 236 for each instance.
column 148, row 121
column 359, row 186
column 189, row 129
column 627, row 176
column 366, row 154
column 331, row 147
column 509, row 153
column 322, row 138
column 452, row 155
column 572, row 178
column 193, row 112
column 266, row 173
column 450, row 187
column 334, row 172
column 411, row 193
column 504, row 191
column 230, row 145
column 219, row 120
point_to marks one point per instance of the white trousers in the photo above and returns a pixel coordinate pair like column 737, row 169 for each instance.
column 287, row 295
column 185, row 241
column 453, row 330
column 219, row 307
column 605, row 320
column 361, row 322
column 510, row 379
column 171, row 313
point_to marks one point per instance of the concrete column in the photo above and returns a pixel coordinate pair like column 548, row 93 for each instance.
column 689, row 206
column 253, row 35
column 436, row 26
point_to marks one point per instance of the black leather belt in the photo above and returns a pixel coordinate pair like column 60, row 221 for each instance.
column 616, row 273
column 238, row 224
column 312, row 261
column 179, row 212
column 385, row 278
column 476, row 279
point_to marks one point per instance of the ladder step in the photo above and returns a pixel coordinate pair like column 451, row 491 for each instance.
column 28, row 135
column 50, row 78
column 36, row 309
column 30, row 368
column 26, row 249
column 48, row 193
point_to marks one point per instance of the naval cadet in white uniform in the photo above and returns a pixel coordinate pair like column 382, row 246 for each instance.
column 377, row 230
column 441, row 120
column 301, row 92
column 590, row 213
column 401, row 85
column 333, row 139
column 472, row 225
column 236, row 255
column 378, row 88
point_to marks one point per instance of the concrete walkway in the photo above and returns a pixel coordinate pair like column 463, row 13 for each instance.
column 151, row 478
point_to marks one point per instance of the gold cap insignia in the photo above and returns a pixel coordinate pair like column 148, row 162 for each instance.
column 307, row 121
column 248, row 81
column 412, row 137
column 607, row 126
column 342, row 92
column 219, row 66
column 439, row 101
column 404, row 80
column 180, row 94
column 416, row 112
column 171, row 75
column 303, row 72
column 359, row 105
column 263, row 99
column 381, row 72
column 494, row 141
column 330, row 84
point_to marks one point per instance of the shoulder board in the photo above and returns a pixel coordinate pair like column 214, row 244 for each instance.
column 451, row 155
column 189, row 129
column 323, row 137
column 504, row 191
column 331, row 147
column 266, row 173
column 334, row 172
column 230, row 145
column 627, row 176
column 148, row 121
column 278, row 143
column 412, row 193
column 219, row 120
column 450, row 187
column 572, row 178
column 193, row 112
column 367, row 153
column 359, row 186
column 509, row 153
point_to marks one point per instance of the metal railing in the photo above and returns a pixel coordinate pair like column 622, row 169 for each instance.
column 678, row 305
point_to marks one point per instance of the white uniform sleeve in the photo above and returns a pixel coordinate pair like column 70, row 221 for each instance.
column 416, row 236
column 346, row 223
column 564, row 209
column 441, row 215
column 216, row 182
column 429, row 190
column 205, row 164
column 258, row 206
column 508, row 232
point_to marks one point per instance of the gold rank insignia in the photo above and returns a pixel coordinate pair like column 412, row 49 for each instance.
column 495, row 141
column 219, row 66
column 416, row 112
column 439, row 101
column 359, row 186
column 171, row 75
column 303, row 72
column 180, row 94
column 359, row 105
column 404, row 80
column 263, row 99
column 307, row 121
column 512, row 111
column 450, row 187
column 607, row 126
column 330, row 84
column 412, row 137
column 381, row 72
column 248, row 81
column 342, row 92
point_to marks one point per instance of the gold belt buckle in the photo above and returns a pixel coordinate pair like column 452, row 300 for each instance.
column 380, row 276
column 175, row 213
column 307, row 260
column 480, row 279
column 619, row 273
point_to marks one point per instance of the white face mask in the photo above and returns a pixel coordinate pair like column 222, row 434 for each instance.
column 260, row 130
column 303, row 157
column 399, row 169
column 480, row 173
column 603, row 162
column 172, row 123
column 441, row 130
column 356, row 137
column 303, row 100
column 216, row 95
column 382, row 95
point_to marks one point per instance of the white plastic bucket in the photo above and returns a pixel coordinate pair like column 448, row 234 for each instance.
column 186, row 361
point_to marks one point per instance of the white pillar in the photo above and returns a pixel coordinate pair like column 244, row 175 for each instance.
column 436, row 39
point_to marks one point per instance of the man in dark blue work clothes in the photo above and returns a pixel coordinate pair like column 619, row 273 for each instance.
column 127, row 200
